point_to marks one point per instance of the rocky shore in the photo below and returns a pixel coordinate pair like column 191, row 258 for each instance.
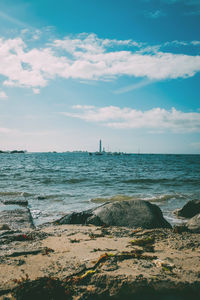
column 81, row 260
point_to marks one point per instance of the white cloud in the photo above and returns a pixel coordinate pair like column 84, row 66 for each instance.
column 91, row 43
column 83, row 106
column 3, row 95
column 195, row 43
column 128, row 118
column 87, row 57
column 181, row 43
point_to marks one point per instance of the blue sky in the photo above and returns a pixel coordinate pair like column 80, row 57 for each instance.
column 72, row 72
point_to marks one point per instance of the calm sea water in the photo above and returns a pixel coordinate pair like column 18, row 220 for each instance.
column 57, row 183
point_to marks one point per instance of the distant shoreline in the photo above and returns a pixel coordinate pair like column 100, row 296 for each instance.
column 86, row 152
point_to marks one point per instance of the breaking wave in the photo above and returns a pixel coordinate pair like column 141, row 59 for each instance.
column 157, row 198
column 113, row 199
column 165, row 197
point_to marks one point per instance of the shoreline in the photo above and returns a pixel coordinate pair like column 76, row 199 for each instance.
column 82, row 261
column 22, row 203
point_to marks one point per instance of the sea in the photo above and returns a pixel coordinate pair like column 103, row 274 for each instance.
column 55, row 184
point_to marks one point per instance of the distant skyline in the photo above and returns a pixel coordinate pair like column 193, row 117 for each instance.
column 126, row 72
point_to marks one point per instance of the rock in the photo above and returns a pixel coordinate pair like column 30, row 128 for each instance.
column 4, row 227
column 41, row 197
column 131, row 213
column 194, row 224
column 180, row 228
column 17, row 218
column 75, row 218
column 22, row 202
column 189, row 210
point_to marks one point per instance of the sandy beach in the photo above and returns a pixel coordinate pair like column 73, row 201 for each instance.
column 88, row 262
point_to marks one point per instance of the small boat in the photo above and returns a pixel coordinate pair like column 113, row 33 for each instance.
column 98, row 153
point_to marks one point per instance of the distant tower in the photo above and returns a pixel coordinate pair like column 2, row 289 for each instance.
column 100, row 146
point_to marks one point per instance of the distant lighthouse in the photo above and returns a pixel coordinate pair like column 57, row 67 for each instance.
column 100, row 147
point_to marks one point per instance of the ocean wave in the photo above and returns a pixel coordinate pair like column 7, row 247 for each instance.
column 165, row 197
column 173, row 220
column 56, row 197
column 75, row 180
column 46, row 181
column 15, row 194
column 61, row 180
column 4, row 175
column 148, row 180
column 171, row 181
column 113, row 199
column 157, row 198
column 35, row 213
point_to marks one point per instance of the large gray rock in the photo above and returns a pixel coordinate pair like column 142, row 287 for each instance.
column 189, row 210
column 194, row 224
column 131, row 213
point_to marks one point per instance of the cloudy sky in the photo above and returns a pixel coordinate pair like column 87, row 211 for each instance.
column 74, row 71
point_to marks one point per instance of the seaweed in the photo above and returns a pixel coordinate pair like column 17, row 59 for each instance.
column 143, row 241
column 47, row 288
column 74, row 241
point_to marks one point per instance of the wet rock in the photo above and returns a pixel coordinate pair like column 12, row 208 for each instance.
column 131, row 213
column 189, row 210
column 194, row 224
column 22, row 202
column 41, row 197
column 17, row 218
column 4, row 227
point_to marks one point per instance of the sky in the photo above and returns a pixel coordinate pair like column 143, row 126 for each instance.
column 73, row 72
